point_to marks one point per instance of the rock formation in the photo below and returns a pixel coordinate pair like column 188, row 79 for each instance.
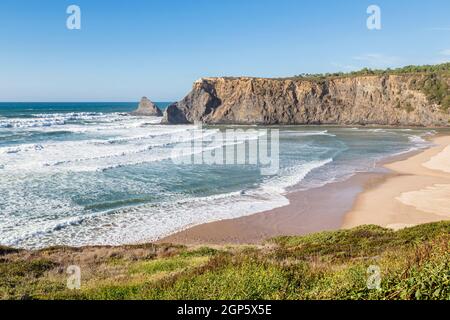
column 353, row 100
column 147, row 108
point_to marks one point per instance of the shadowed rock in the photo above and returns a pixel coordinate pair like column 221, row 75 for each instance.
column 147, row 108
column 173, row 115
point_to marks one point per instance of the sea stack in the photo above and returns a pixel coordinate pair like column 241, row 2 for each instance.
column 147, row 108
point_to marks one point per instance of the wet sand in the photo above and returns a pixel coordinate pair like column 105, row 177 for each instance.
column 366, row 198
column 309, row 211
column 418, row 192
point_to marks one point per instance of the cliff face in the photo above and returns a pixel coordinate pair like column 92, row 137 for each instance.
column 380, row 100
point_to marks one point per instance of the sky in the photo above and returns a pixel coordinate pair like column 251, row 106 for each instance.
column 158, row 48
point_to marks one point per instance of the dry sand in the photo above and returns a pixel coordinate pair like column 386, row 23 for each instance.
column 418, row 191
column 309, row 211
column 415, row 190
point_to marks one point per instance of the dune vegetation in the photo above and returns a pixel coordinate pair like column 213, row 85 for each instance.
column 413, row 263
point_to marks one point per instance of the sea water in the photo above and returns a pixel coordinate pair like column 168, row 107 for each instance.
column 91, row 174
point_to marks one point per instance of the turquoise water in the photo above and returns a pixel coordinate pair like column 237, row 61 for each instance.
column 89, row 173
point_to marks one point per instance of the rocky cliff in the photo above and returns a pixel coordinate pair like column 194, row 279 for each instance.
column 147, row 108
column 358, row 100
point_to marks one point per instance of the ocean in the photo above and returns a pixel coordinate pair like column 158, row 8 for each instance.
column 90, row 174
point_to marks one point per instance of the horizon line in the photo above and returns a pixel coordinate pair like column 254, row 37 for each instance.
column 84, row 101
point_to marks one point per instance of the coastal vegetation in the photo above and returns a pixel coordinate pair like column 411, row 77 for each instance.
column 437, row 89
column 441, row 69
column 413, row 263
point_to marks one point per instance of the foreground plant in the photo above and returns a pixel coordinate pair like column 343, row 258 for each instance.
column 412, row 263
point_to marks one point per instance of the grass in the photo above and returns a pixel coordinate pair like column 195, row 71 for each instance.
column 414, row 263
column 165, row 266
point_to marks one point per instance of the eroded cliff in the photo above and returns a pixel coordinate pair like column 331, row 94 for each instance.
column 358, row 100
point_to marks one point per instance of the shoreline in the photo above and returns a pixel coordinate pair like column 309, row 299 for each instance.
column 334, row 206
column 417, row 192
column 308, row 211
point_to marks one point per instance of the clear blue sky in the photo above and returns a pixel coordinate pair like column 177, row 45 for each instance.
column 127, row 49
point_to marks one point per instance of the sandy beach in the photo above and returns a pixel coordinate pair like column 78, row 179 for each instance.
column 417, row 191
column 412, row 189
column 309, row 211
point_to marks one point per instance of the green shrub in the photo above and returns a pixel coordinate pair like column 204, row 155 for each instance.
column 414, row 264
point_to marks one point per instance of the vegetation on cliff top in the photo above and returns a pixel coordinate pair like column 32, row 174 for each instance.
column 443, row 69
column 414, row 264
column 437, row 89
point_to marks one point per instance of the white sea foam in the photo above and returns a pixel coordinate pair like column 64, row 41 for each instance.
column 292, row 176
column 45, row 184
column 308, row 133
column 77, row 122
column 54, row 119
column 153, row 221
column 417, row 139
column 138, row 145
column 131, row 145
